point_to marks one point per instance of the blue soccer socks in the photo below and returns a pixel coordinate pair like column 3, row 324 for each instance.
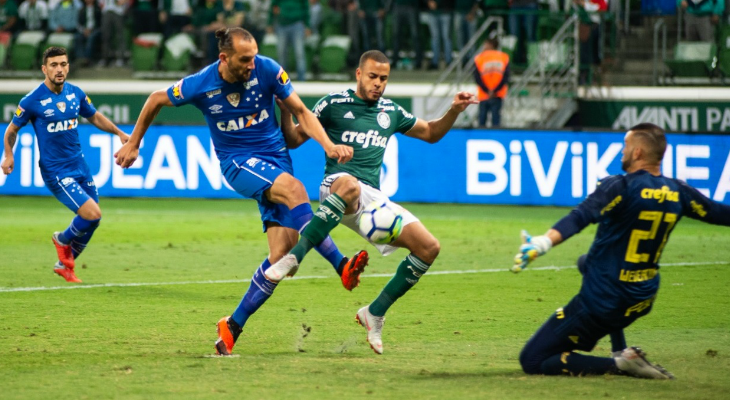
column 78, row 234
column 258, row 292
column 78, row 228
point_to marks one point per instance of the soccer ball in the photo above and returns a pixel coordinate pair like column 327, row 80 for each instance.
column 381, row 222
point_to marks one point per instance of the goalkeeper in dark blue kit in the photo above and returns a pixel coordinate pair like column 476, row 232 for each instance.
column 636, row 213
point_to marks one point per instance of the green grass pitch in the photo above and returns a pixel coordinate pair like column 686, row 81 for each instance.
column 159, row 273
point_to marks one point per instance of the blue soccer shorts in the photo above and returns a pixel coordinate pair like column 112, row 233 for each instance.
column 73, row 187
column 251, row 175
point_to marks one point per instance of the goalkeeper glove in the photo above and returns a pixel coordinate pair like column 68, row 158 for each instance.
column 532, row 247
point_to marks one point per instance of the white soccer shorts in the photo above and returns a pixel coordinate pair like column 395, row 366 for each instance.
column 368, row 194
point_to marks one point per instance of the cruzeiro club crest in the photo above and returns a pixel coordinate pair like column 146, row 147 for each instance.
column 383, row 120
column 61, row 106
column 234, row 99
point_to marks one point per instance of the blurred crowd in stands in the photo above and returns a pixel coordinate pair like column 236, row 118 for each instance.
column 404, row 29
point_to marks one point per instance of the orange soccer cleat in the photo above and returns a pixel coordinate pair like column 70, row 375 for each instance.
column 228, row 332
column 66, row 273
column 65, row 256
column 353, row 268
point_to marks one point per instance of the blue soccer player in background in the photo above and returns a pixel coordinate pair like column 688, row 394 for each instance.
column 237, row 97
column 54, row 108
column 636, row 212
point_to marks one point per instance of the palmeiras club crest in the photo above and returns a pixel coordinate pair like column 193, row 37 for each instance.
column 383, row 120
column 234, row 99
column 61, row 106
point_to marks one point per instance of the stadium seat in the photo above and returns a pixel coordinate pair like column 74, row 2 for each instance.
column 176, row 56
column 24, row 54
column 268, row 46
column 145, row 49
column 65, row 40
column 554, row 56
column 692, row 59
column 333, row 53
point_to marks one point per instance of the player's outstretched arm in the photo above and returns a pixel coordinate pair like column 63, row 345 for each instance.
column 433, row 131
column 11, row 134
column 127, row 155
column 311, row 126
column 103, row 123
column 533, row 247
column 294, row 135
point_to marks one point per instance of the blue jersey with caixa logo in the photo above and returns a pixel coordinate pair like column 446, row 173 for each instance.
column 55, row 118
column 241, row 115
column 635, row 214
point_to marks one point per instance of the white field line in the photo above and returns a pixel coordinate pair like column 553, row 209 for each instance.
column 208, row 282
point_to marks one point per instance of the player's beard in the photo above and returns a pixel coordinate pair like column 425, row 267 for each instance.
column 240, row 74
column 626, row 164
column 55, row 80
column 366, row 94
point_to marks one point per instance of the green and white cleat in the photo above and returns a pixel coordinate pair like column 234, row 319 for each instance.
column 287, row 266
column 374, row 326
column 632, row 361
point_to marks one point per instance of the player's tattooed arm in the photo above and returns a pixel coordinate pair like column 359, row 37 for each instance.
column 11, row 134
column 293, row 133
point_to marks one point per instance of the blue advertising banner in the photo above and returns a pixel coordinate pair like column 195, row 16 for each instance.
column 467, row 166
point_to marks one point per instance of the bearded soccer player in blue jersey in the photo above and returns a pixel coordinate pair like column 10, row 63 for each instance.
column 636, row 213
column 54, row 108
column 236, row 96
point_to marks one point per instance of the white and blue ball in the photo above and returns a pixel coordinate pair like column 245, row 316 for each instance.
column 381, row 222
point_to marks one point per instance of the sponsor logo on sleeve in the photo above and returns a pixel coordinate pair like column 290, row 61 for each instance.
column 177, row 90
column 282, row 77
column 319, row 108
column 88, row 100
column 405, row 113
column 19, row 112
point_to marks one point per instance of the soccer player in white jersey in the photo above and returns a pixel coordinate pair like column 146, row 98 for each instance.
column 365, row 120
